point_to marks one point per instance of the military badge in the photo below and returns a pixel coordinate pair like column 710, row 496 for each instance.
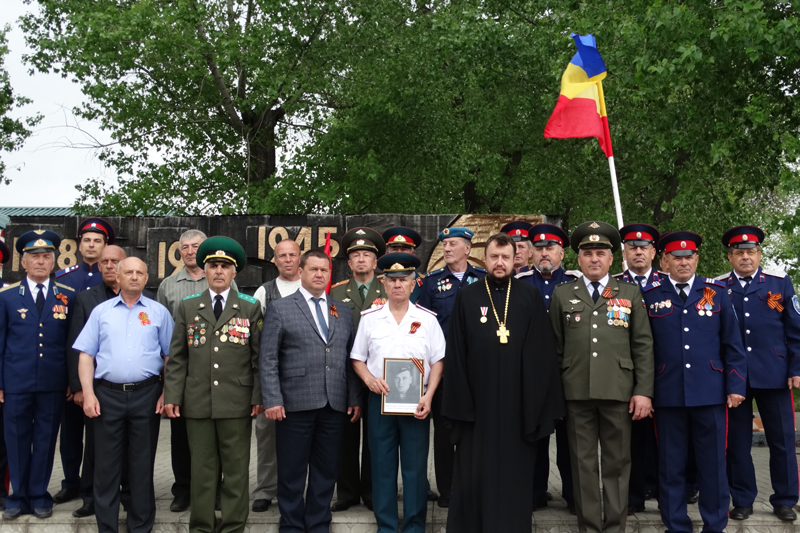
column 378, row 301
column 484, row 310
column 414, row 327
column 144, row 319
column 618, row 312
column 22, row 313
column 796, row 304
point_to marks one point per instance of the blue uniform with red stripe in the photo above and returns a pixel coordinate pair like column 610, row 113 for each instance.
column 769, row 325
column 81, row 276
column 699, row 360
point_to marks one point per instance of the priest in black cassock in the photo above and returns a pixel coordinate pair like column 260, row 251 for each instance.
column 502, row 393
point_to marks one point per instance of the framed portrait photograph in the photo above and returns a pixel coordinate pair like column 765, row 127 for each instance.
column 405, row 386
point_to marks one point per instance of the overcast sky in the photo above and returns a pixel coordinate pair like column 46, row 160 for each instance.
column 45, row 171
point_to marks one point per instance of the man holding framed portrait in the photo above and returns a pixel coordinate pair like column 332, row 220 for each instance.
column 398, row 353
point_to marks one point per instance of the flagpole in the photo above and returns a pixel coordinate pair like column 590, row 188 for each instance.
column 615, row 187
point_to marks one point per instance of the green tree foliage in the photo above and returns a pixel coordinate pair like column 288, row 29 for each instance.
column 438, row 106
column 13, row 131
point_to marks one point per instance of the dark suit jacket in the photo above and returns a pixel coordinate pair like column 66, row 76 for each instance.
column 271, row 293
column 298, row 369
column 82, row 307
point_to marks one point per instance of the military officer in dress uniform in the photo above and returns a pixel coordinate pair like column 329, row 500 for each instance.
column 605, row 348
column 548, row 253
column 639, row 251
column 523, row 250
column 33, row 372
column 363, row 291
column 699, row 369
column 404, row 240
column 769, row 325
column 439, row 295
column 212, row 380
column 94, row 234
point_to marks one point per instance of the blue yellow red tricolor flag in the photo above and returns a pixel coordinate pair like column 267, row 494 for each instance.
column 581, row 107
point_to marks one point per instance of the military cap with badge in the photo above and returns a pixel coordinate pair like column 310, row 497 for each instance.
column 595, row 234
column 398, row 264
column 222, row 249
column 39, row 240
column 519, row 230
column 98, row 225
column 547, row 234
column 402, row 236
column 639, row 234
column 363, row 239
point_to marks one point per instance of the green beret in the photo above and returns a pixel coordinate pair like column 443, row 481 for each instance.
column 222, row 249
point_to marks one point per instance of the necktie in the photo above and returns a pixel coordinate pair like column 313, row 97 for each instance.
column 217, row 306
column 40, row 299
column 747, row 280
column 362, row 290
column 681, row 287
column 640, row 280
column 596, row 293
column 323, row 326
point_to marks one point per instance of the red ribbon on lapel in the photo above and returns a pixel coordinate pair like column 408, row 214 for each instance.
column 774, row 301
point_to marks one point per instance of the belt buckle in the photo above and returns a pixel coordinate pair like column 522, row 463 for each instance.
column 126, row 385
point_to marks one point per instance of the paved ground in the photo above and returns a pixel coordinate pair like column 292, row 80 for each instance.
column 360, row 519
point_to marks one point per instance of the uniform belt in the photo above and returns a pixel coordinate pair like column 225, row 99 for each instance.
column 128, row 387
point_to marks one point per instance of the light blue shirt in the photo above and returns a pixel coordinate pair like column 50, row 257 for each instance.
column 125, row 350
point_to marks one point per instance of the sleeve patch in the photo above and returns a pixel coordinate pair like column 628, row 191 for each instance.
column 796, row 304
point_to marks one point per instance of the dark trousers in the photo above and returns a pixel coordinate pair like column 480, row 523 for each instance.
column 71, row 445
column 355, row 478
column 387, row 435
column 541, row 471
column 307, row 444
column 609, row 423
column 87, row 471
column 31, row 423
column 125, row 417
column 776, row 407
column 181, row 457
column 3, row 457
column 644, row 462
column 706, row 427
column 444, row 453
column 220, row 444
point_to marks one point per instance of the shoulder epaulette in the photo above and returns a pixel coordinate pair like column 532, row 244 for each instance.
column 566, row 282
column 434, row 272
column 723, row 276
column 774, row 273
column 371, row 310
column 9, row 286
column 618, row 275
column 479, row 269
column 192, row 296
column 66, row 270
column 247, row 298
column 576, row 273
column 627, row 282
column 420, row 276
column 425, row 309
column 524, row 274
column 651, row 286
column 65, row 287
column 340, row 284
column 666, row 274
column 711, row 281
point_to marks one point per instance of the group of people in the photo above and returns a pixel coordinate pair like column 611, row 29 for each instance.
column 498, row 357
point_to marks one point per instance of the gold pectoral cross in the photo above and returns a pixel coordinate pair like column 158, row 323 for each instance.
column 503, row 333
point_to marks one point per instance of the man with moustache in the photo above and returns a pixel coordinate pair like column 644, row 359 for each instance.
column 84, row 303
column 33, row 372
column 310, row 389
column 519, row 233
column 605, row 348
column 639, row 251
column 94, row 235
column 769, row 325
column 701, row 376
column 212, row 381
column 189, row 280
column 122, row 351
column 439, row 290
column 502, row 394
column 399, row 329
column 363, row 291
column 287, row 259
column 548, row 253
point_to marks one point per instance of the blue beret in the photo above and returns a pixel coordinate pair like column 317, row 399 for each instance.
column 456, row 231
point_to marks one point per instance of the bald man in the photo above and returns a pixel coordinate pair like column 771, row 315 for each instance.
column 287, row 259
column 122, row 351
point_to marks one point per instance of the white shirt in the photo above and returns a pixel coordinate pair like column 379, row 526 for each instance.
column 285, row 288
column 224, row 295
column 379, row 337
column 646, row 276
column 742, row 282
column 34, row 291
column 600, row 289
column 686, row 289
column 313, row 308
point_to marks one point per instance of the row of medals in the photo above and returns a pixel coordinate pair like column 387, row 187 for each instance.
column 223, row 338
column 618, row 321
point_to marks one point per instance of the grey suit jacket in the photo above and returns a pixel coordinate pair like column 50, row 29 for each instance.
column 298, row 369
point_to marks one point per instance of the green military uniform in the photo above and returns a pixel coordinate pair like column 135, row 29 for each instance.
column 212, row 374
column 347, row 292
column 605, row 350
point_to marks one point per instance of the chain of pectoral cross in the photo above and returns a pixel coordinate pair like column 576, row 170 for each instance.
column 502, row 332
